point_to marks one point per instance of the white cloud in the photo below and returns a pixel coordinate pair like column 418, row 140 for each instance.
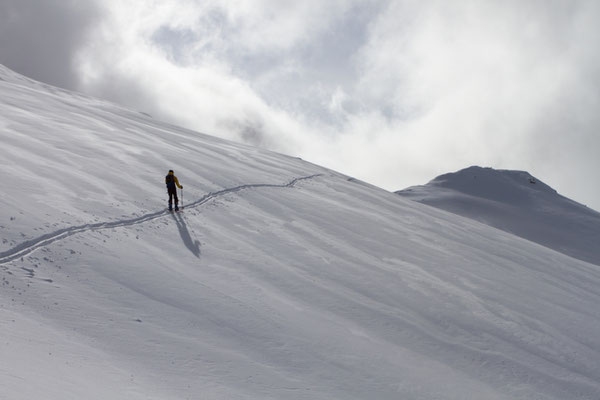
column 393, row 92
column 470, row 82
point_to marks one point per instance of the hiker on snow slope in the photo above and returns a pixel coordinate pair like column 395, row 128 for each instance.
column 171, row 181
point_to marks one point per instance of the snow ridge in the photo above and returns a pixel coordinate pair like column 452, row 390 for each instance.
column 518, row 203
column 29, row 246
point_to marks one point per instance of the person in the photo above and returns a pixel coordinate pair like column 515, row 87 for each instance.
column 172, row 184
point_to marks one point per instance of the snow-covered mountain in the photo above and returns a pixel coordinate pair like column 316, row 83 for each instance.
column 519, row 203
column 280, row 280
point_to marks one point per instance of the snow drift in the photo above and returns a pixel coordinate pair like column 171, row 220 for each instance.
column 519, row 203
column 280, row 280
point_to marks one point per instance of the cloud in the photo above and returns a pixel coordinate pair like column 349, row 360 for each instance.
column 40, row 39
column 506, row 84
column 217, row 68
column 392, row 92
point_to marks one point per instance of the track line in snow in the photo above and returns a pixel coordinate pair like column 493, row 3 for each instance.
column 31, row 245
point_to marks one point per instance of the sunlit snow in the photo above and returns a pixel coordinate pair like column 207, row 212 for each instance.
column 279, row 280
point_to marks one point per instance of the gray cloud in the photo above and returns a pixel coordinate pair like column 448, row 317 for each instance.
column 40, row 39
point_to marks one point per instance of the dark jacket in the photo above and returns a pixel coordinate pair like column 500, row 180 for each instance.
column 171, row 180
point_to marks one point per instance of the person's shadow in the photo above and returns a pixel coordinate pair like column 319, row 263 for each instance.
column 192, row 245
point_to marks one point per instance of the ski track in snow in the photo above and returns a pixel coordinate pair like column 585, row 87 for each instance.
column 29, row 246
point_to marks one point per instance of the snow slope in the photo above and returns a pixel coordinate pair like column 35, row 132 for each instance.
column 280, row 280
column 519, row 203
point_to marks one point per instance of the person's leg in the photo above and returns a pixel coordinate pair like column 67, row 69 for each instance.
column 170, row 198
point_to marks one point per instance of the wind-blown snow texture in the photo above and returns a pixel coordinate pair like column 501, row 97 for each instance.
column 280, row 280
column 519, row 203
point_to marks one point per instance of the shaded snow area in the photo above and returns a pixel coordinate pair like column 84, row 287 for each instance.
column 279, row 280
column 519, row 203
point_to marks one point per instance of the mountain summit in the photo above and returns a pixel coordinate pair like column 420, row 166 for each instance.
column 516, row 202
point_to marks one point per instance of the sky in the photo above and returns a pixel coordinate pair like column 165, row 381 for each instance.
column 390, row 92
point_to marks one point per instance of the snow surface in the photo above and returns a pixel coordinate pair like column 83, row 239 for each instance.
column 280, row 280
column 519, row 203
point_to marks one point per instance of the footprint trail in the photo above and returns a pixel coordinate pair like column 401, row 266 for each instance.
column 29, row 246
